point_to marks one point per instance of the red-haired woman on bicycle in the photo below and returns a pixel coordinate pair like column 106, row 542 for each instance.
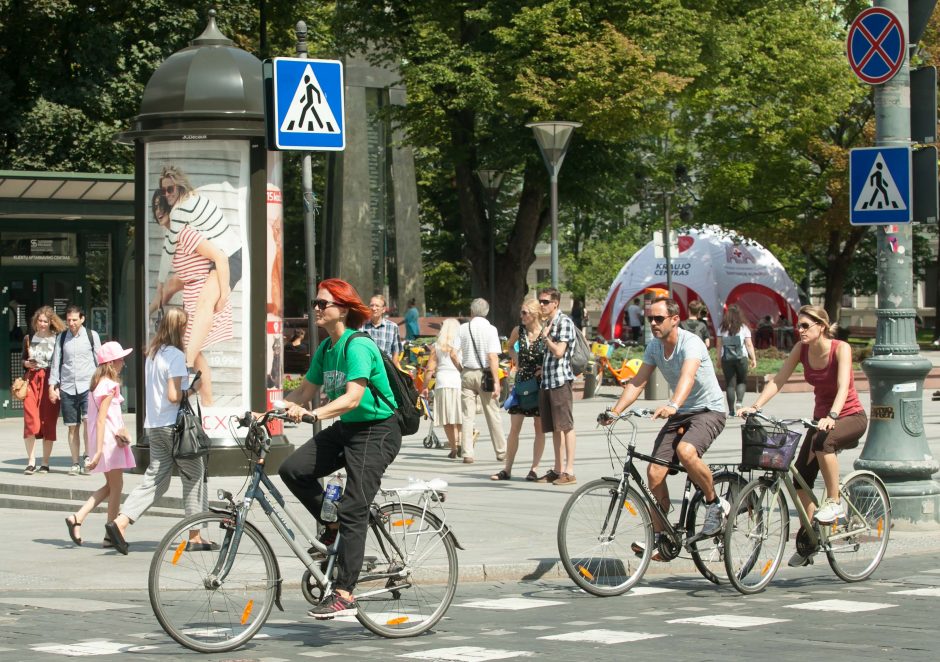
column 364, row 440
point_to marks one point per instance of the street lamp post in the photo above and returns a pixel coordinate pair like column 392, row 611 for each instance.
column 491, row 181
column 553, row 139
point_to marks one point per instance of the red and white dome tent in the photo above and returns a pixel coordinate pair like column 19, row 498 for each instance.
column 715, row 265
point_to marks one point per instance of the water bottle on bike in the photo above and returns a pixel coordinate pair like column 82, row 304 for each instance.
column 334, row 489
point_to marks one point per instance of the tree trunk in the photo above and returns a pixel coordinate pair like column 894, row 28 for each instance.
column 531, row 219
column 839, row 257
column 513, row 264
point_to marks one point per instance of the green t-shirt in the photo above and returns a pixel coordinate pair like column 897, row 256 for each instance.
column 331, row 370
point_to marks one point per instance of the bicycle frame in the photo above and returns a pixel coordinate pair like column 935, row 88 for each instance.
column 792, row 481
column 630, row 471
column 279, row 514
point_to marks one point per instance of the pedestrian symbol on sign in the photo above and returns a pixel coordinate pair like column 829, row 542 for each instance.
column 880, row 191
column 309, row 111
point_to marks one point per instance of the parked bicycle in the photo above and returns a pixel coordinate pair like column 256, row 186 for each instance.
column 604, row 518
column 759, row 526
column 628, row 367
column 216, row 600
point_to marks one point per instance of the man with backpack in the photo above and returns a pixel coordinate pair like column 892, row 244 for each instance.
column 555, row 394
column 73, row 365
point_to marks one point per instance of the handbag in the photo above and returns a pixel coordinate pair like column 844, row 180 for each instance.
column 20, row 387
column 487, row 384
column 527, row 394
column 190, row 440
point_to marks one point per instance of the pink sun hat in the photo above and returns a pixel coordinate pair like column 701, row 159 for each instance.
column 111, row 351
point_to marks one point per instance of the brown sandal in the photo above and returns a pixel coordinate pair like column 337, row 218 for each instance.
column 502, row 475
column 72, row 522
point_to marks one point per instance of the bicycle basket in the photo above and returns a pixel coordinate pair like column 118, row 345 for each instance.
column 767, row 446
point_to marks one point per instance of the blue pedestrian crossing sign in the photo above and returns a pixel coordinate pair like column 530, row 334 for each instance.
column 880, row 186
column 307, row 110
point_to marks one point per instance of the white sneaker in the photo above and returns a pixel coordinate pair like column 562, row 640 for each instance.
column 830, row 511
column 798, row 560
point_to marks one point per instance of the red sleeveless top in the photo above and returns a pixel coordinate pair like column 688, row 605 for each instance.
column 826, row 382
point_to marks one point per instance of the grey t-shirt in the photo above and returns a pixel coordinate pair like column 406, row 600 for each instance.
column 705, row 393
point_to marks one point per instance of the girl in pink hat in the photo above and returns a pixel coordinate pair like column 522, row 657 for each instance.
column 108, row 440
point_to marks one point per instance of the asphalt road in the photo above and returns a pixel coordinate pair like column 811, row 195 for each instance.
column 806, row 613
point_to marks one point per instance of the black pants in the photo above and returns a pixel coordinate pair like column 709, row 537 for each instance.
column 735, row 381
column 364, row 450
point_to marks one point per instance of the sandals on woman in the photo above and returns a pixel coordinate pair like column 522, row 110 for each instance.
column 502, row 475
column 73, row 524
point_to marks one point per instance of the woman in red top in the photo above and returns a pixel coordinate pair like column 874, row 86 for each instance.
column 827, row 366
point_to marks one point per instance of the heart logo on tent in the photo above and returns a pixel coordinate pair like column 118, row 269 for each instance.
column 685, row 243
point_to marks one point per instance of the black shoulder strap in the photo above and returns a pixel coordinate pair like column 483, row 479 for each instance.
column 91, row 343
column 376, row 393
column 474, row 343
column 61, row 352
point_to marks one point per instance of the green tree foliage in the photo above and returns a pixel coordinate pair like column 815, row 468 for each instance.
column 72, row 74
column 477, row 72
column 591, row 271
column 772, row 120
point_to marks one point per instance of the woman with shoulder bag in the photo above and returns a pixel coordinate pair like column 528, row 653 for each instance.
column 527, row 349
column 40, row 413
column 164, row 373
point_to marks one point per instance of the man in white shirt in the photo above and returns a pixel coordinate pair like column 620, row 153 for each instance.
column 479, row 342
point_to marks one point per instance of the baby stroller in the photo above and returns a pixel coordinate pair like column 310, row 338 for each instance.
column 431, row 440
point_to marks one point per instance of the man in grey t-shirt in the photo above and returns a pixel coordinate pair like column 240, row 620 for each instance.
column 694, row 416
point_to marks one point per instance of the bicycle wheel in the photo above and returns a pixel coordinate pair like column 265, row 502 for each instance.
column 756, row 533
column 197, row 614
column 597, row 527
column 409, row 572
column 858, row 543
column 708, row 554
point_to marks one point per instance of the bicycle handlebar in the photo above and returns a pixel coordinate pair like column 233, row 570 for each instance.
column 608, row 416
column 786, row 422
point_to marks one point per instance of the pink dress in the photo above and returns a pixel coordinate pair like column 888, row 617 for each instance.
column 114, row 456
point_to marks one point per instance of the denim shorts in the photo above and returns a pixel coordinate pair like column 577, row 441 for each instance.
column 74, row 407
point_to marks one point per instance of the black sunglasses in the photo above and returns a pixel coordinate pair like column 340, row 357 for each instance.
column 545, row 302
column 658, row 319
column 323, row 304
column 803, row 326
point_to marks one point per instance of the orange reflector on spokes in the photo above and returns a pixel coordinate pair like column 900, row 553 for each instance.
column 629, row 507
column 585, row 572
column 179, row 552
column 403, row 522
column 247, row 613
column 881, row 524
column 397, row 621
column 766, row 568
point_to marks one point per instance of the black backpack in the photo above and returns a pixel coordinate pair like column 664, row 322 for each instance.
column 403, row 388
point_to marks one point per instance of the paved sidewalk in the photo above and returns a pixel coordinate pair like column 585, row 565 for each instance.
column 507, row 528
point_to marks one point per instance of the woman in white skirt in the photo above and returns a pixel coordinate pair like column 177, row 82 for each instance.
column 444, row 365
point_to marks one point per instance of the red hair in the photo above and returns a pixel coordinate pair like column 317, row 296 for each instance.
column 347, row 296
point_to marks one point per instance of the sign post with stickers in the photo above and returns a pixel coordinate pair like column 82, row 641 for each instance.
column 882, row 194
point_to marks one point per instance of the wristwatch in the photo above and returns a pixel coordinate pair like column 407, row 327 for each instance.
column 834, row 415
column 673, row 405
